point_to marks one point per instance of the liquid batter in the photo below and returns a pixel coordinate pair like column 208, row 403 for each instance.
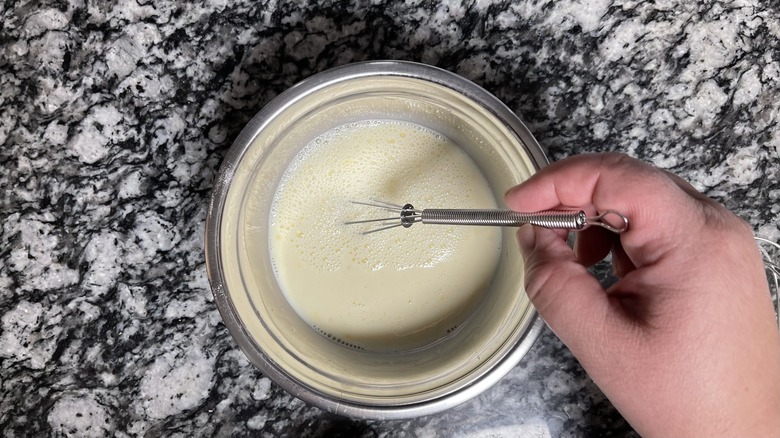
column 396, row 289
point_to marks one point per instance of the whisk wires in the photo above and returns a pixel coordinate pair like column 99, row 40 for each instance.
column 406, row 216
column 774, row 269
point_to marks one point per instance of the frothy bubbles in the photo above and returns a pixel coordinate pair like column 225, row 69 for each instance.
column 312, row 248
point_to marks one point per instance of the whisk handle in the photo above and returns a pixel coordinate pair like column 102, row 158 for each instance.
column 568, row 219
column 563, row 219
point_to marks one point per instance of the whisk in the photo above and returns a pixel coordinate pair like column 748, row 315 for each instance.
column 559, row 219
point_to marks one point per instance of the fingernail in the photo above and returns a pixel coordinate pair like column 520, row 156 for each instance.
column 510, row 191
column 506, row 193
column 526, row 238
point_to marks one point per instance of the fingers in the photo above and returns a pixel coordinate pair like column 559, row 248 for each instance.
column 660, row 208
column 564, row 293
column 621, row 262
column 587, row 180
column 593, row 244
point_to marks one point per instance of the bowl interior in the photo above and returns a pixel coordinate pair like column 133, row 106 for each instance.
column 280, row 339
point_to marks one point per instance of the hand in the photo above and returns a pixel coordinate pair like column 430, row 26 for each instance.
column 685, row 343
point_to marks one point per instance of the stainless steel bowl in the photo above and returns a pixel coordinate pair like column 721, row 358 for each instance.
column 364, row 384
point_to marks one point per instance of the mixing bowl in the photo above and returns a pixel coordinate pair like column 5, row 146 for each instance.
column 368, row 383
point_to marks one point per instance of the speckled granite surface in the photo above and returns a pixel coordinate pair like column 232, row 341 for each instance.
column 115, row 116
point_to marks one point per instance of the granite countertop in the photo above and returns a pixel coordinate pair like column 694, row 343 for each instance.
column 115, row 118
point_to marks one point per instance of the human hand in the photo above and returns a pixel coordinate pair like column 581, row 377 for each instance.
column 685, row 342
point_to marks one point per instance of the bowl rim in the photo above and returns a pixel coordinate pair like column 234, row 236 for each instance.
column 214, row 217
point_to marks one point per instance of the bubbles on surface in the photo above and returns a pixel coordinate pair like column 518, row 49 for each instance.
column 321, row 263
column 393, row 160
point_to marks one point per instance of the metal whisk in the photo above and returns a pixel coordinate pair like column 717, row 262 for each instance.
column 560, row 219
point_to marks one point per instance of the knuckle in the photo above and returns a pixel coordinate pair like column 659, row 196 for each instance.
column 617, row 160
column 723, row 230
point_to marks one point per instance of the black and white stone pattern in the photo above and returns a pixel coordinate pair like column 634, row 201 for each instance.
column 115, row 116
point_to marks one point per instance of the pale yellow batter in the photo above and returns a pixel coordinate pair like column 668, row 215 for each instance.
column 391, row 290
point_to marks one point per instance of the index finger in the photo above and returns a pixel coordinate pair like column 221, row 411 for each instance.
column 658, row 208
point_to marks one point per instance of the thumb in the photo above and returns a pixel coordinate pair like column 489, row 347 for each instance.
column 565, row 294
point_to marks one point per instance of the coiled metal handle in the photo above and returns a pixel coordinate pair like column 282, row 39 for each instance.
column 567, row 219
